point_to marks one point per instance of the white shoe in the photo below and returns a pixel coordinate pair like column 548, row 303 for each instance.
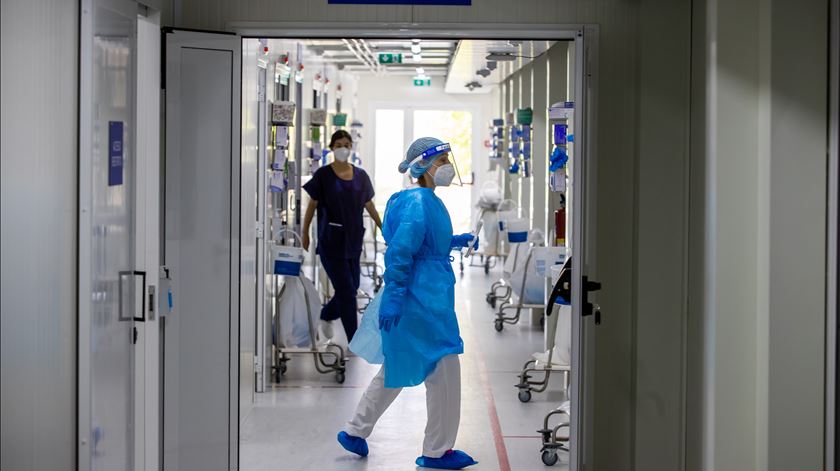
column 325, row 330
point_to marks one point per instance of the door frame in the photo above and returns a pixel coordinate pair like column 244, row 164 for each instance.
column 585, row 39
column 833, row 242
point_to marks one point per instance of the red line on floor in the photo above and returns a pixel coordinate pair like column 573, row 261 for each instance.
column 521, row 436
column 501, row 450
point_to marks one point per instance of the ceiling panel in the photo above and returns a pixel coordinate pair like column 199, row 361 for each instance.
column 362, row 55
column 458, row 61
column 471, row 57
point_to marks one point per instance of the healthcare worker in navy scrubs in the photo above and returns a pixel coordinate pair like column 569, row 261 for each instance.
column 340, row 192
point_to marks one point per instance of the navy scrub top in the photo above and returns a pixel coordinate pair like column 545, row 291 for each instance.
column 340, row 203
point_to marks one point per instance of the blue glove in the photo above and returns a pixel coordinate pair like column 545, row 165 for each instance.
column 462, row 240
column 389, row 322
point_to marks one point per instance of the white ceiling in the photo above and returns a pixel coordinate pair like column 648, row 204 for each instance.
column 472, row 56
column 362, row 55
column 458, row 61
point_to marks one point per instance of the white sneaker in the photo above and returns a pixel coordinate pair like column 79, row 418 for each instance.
column 325, row 330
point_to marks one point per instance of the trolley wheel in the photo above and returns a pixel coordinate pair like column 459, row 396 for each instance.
column 549, row 457
column 488, row 298
column 499, row 326
column 339, row 377
column 524, row 396
column 493, row 303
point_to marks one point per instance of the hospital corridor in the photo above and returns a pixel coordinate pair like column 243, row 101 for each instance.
column 495, row 425
column 580, row 235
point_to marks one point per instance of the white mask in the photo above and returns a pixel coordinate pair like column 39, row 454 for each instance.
column 341, row 154
column 444, row 175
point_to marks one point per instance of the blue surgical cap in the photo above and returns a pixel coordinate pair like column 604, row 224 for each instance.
column 417, row 148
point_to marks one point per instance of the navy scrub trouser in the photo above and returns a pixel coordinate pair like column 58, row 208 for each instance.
column 344, row 275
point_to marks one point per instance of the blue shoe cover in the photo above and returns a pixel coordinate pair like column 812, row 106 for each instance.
column 353, row 444
column 452, row 459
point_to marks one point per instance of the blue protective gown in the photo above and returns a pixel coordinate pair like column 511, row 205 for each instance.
column 419, row 287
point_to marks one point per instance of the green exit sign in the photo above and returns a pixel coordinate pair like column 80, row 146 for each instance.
column 390, row 58
column 422, row 82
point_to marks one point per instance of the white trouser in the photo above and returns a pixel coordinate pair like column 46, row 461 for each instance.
column 443, row 406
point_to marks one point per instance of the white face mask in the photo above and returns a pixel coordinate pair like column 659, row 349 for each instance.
column 341, row 154
column 444, row 175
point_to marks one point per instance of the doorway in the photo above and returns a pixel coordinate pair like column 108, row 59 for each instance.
column 271, row 163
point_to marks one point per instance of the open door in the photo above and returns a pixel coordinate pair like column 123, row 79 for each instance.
column 200, row 330
column 112, row 276
column 585, row 313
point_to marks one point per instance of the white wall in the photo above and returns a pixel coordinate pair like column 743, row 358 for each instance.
column 762, row 212
column 38, row 315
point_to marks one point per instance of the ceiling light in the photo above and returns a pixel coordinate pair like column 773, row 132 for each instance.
column 500, row 56
column 491, row 65
column 483, row 72
column 420, row 70
column 417, row 57
column 415, row 49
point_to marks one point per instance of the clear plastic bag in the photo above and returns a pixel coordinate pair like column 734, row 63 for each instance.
column 294, row 322
column 367, row 342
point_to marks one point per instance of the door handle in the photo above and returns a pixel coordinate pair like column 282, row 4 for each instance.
column 590, row 309
column 563, row 290
column 123, row 316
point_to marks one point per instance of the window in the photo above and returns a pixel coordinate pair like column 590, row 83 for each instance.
column 454, row 127
column 394, row 126
column 389, row 146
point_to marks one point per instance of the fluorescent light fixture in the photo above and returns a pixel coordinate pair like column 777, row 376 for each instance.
column 417, row 57
column 420, row 70
column 415, row 49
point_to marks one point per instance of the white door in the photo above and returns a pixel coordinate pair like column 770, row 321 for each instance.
column 201, row 250
column 112, row 284
column 585, row 313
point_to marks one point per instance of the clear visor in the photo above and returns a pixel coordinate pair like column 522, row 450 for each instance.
column 437, row 157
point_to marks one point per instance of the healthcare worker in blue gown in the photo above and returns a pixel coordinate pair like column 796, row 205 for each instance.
column 340, row 191
column 419, row 330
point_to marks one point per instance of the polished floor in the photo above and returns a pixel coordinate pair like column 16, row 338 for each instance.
column 293, row 425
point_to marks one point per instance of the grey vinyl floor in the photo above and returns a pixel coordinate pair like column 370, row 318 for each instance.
column 292, row 426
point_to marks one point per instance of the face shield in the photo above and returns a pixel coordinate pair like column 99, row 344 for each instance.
column 439, row 156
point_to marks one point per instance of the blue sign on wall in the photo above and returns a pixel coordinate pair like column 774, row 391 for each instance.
column 401, row 2
column 115, row 153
